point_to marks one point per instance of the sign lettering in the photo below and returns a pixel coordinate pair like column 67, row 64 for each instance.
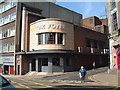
column 51, row 26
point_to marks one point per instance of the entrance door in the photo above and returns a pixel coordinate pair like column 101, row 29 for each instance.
column 11, row 70
column 6, row 69
column 18, row 69
column 33, row 64
column 44, row 62
column 39, row 64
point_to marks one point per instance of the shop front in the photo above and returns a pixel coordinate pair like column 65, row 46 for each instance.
column 44, row 62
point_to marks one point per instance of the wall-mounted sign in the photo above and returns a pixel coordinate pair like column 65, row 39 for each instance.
column 50, row 26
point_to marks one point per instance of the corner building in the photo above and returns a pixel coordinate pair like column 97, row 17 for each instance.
column 56, row 45
column 49, row 38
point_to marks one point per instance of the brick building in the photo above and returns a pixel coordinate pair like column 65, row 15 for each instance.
column 35, row 38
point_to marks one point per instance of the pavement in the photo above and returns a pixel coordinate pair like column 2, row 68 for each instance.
column 105, row 78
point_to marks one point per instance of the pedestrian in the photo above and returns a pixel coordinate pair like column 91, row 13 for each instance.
column 82, row 74
column 93, row 65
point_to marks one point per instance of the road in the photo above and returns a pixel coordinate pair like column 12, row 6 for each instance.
column 69, row 81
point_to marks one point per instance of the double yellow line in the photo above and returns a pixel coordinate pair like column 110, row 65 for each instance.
column 21, row 86
column 28, row 88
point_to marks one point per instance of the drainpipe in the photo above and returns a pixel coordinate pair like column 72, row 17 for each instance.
column 23, row 29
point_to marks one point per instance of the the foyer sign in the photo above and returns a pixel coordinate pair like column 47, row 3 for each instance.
column 50, row 26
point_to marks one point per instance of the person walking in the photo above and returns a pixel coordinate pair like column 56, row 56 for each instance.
column 82, row 74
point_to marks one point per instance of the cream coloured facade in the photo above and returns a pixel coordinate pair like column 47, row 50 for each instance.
column 52, row 26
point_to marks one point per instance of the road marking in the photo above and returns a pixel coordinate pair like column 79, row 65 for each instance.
column 45, row 85
column 21, row 85
column 92, row 79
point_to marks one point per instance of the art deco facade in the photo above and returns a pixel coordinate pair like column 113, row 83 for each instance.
column 44, row 37
column 113, row 7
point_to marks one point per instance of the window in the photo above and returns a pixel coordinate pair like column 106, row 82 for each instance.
column 44, row 61
column 101, row 44
column 112, row 3
column 8, row 47
column 60, row 38
column 13, row 3
column 94, row 44
column 1, row 8
column 0, row 34
column 8, row 18
column 51, row 38
column 1, row 21
column 4, row 33
column 40, row 39
column 6, row 6
column 114, row 22
column 0, row 48
column 5, row 47
column 99, row 29
column 91, row 21
column 56, row 61
column 12, row 16
column 88, row 42
column 11, row 47
column 7, row 32
column 12, row 31
column 68, row 62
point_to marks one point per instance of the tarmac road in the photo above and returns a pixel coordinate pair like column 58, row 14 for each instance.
column 69, row 81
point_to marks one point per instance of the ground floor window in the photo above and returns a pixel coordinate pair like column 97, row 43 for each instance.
column 68, row 62
column 44, row 61
column 56, row 61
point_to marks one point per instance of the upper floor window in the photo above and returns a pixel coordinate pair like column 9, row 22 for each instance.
column 88, row 42
column 95, row 43
column 112, row 3
column 7, row 32
column 51, row 38
column 8, row 18
column 60, row 38
column 7, row 47
column 114, row 21
column 0, row 34
column 91, row 21
column 101, row 44
column 7, row 5
column 99, row 29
